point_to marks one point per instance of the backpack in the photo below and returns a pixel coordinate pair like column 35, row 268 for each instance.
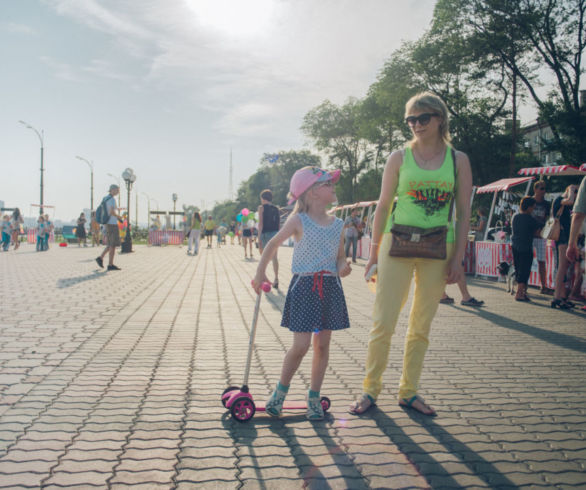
column 102, row 215
column 270, row 218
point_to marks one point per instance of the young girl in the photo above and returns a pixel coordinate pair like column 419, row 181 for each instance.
column 315, row 302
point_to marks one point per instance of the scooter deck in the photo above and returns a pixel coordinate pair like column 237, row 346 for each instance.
column 260, row 406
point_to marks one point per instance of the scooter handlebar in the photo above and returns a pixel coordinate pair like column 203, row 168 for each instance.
column 266, row 286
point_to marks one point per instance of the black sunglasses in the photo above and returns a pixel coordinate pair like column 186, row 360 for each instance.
column 423, row 119
column 540, row 188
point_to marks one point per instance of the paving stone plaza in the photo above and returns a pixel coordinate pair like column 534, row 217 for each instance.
column 113, row 379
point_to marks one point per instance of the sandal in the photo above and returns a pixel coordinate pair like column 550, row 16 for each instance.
column 409, row 403
column 447, row 301
column 362, row 405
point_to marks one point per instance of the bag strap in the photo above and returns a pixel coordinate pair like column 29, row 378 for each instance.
column 455, row 182
column 560, row 211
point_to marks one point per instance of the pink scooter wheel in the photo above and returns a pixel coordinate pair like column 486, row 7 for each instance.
column 227, row 390
column 325, row 403
column 242, row 409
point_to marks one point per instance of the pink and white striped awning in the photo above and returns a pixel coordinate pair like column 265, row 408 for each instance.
column 502, row 185
column 554, row 170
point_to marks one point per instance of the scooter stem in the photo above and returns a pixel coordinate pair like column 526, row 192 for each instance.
column 251, row 340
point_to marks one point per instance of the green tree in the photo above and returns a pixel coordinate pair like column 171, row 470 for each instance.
column 530, row 36
column 335, row 130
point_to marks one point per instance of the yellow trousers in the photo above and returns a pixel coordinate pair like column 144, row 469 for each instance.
column 392, row 290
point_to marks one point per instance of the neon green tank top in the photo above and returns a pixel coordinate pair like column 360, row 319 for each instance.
column 423, row 196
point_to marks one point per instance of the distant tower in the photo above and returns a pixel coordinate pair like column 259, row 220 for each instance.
column 230, row 178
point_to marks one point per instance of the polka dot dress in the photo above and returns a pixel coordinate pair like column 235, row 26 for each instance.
column 315, row 300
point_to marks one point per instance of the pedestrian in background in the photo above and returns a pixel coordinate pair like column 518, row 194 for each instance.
column 541, row 212
column 80, row 230
column 561, row 209
column 6, row 232
column 48, row 230
column 269, row 221
column 16, row 223
column 525, row 227
column 95, row 230
column 352, row 227
column 41, row 230
column 112, row 231
column 195, row 230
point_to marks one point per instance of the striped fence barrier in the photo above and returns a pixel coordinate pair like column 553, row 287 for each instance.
column 166, row 237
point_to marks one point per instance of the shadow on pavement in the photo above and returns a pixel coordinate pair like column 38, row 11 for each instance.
column 555, row 338
column 72, row 281
column 427, row 466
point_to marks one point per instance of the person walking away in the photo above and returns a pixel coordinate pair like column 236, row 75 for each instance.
column 6, row 232
column 95, row 230
column 246, row 236
column 17, row 221
column 315, row 303
column 561, row 209
column 233, row 231
column 269, row 222
column 41, row 230
column 194, row 232
column 579, row 213
column 351, row 230
column 80, row 230
column 525, row 227
column 541, row 213
column 426, row 177
column 112, row 231
column 209, row 226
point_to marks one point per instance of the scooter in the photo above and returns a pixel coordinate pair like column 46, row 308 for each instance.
column 239, row 400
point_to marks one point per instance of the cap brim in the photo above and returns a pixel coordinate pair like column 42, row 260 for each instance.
column 336, row 175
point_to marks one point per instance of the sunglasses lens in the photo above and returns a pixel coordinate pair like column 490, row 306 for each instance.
column 424, row 119
column 411, row 120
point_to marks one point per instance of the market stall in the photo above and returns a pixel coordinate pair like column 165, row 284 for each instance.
column 489, row 254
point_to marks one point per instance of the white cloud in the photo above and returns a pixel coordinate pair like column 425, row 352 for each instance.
column 17, row 28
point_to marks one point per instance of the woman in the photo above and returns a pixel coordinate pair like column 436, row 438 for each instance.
column 95, row 229
column 80, row 230
column 194, row 232
column 563, row 205
column 17, row 221
column 422, row 177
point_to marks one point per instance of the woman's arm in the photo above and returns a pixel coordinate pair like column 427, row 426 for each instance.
column 463, row 193
column 385, row 200
column 259, row 211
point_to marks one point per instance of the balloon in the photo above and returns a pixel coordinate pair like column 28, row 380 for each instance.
column 231, row 234
column 239, row 218
column 245, row 212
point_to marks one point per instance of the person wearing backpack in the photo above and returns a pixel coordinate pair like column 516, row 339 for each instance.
column 107, row 215
column 269, row 220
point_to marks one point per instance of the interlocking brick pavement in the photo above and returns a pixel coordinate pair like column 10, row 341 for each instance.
column 113, row 380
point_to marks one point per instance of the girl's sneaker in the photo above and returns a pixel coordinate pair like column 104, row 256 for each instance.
column 274, row 405
column 314, row 409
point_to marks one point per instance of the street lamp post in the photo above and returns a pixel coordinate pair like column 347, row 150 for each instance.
column 174, row 204
column 129, row 178
column 119, row 186
column 91, row 166
column 40, row 135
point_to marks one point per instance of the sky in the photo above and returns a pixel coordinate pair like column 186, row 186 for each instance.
column 168, row 87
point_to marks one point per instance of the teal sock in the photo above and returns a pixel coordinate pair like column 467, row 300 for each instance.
column 282, row 388
column 313, row 394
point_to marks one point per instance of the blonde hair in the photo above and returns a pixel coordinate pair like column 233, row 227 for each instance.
column 431, row 102
column 301, row 205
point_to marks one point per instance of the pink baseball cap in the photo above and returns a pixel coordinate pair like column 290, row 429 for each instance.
column 305, row 177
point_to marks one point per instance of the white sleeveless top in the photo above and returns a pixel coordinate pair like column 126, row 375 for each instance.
column 318, row 248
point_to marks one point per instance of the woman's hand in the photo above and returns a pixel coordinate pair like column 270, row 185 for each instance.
column 455, row 271
column 344, row 268
column 372, row 260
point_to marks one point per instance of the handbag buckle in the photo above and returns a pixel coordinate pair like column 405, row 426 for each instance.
column 415, row 237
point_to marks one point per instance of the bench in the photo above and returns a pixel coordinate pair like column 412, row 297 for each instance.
column 68, row 233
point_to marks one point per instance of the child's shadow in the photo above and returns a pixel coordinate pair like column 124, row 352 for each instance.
column 72, row 281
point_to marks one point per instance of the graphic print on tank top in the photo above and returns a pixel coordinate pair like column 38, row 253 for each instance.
column 432, row 196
